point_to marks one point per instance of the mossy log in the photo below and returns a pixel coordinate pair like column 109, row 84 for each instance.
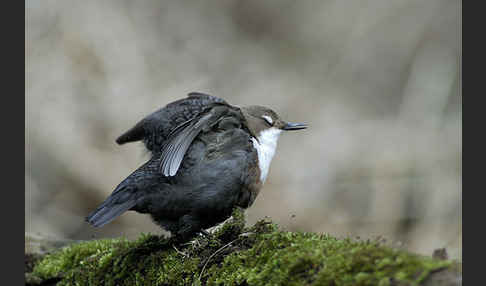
column 238, row 255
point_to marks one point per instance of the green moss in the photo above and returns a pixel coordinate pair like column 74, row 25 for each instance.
column 264, row 255
column 295, row 258
column 233, row 228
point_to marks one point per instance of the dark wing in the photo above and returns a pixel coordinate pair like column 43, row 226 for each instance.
column 181, row 137
column 155, row 128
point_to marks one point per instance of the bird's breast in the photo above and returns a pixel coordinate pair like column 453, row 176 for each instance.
column 266, row 146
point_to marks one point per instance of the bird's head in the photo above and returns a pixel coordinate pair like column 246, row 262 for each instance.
column 264, row 122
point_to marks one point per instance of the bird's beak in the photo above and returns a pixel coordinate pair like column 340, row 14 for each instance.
column 294, row 126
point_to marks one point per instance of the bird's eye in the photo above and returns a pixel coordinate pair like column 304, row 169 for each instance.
column 268, row 119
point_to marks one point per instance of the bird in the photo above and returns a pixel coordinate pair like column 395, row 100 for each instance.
column 207, row 157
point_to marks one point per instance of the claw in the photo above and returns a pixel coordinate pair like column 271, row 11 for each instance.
column 180, row 252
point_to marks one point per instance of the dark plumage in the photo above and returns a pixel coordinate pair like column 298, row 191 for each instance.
column 204, row 163
column 154, row 129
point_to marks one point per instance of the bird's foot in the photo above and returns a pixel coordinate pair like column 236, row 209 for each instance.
column 214, row 229
column 180, row 252
column 246, row 234
column 194, row 243
column 205, row 232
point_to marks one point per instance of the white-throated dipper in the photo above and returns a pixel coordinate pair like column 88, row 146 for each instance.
column 207, row 157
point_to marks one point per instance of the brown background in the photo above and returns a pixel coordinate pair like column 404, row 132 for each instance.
column 377, row 81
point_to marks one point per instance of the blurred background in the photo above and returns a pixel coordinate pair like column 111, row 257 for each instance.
column 378, row 82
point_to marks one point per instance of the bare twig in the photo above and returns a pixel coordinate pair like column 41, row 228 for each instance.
column 212, row 255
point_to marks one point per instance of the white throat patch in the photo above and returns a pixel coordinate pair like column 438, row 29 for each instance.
column 266, row 146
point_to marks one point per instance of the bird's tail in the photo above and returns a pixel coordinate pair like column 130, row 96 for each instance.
column 121, row 200
column 136, row 133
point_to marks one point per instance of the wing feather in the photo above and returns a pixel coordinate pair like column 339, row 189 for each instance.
column 154, row 128
column 181, row 137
